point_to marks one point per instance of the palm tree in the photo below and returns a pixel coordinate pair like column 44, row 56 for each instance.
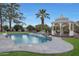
column 42, row 15
column 2, row 14
column 12, row 13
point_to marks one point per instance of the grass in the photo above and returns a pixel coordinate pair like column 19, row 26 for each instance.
column 74, row 52
column 15, row 32
column 75, row 43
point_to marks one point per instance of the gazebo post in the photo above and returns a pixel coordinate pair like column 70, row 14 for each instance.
column 71, row 31
column 60, row 29
column 53, row 33
column 73, row 27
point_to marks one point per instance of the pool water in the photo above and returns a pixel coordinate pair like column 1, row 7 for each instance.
column 29, row 38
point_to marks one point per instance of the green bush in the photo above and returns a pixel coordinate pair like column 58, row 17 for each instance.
column 30, row 28
column 46, row 28
column 18, row 27
column 5, row 28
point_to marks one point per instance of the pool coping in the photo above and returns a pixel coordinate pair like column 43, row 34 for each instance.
column 57, row 45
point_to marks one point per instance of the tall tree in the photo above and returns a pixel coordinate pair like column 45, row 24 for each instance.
column 13, row 13
column 42, row 14
column 2, row 14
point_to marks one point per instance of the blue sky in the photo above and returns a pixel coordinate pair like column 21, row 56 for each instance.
column 54, row 9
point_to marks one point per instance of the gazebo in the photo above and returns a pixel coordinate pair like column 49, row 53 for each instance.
column 62, row 22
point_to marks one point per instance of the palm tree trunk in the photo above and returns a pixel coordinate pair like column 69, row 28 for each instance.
column 42, row 19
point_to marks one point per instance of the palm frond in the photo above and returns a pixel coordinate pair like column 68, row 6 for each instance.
column 37, row 15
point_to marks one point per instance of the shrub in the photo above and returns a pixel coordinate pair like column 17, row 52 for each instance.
column 18, row 27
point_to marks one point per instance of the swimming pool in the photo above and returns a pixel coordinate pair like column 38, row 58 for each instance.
column 31, row 38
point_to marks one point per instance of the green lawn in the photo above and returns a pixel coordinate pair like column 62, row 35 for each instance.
column 14, row 32
column 74, row 52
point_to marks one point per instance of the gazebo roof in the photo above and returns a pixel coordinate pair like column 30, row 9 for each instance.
column 62, row 19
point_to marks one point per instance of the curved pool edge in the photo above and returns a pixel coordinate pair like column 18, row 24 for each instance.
column 57, row 45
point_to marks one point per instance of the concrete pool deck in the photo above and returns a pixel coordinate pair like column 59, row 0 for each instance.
column 57, row 45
